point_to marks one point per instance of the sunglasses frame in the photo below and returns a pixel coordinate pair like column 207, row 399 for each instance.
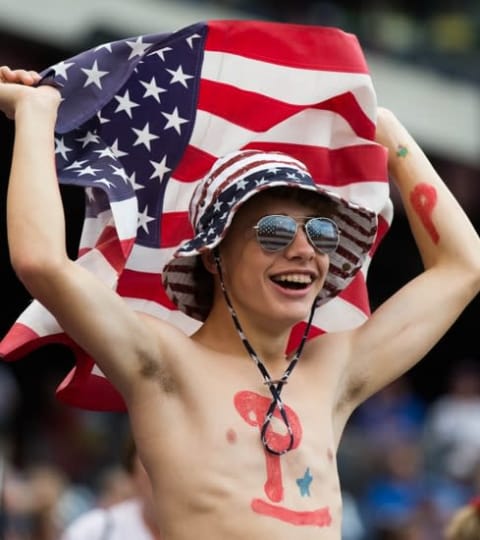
column 306, row 220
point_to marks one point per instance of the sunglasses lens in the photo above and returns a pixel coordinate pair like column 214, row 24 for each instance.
column 323, row 234
column 275, row 232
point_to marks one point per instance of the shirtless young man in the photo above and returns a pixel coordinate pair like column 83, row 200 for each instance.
column 197, row 404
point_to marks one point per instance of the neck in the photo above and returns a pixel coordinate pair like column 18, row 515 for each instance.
column 218, row 332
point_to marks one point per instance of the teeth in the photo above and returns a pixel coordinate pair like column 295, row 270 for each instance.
column 294, row 278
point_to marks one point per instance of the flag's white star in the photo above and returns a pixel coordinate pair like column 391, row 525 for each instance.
column 89, row 193
column 60, row 148
column 101, row 119
column 191, row 38
column 134, row 182
column 116, row 151
column 89, row 137
column 178, row 76
column 88, row 170
column 152, row 89
column 94, row 75
column 160, row 168
column 138, row 47
column 125, row 104
column 174, row 120
column 217, row 206
column 61, row 69
column 144, row 136
column 105, row 152
column 104, row 181
column 144, row 219
column 107, row 46
column 120, row 171
column 161, row 52
column 76, row 164
column 272, row 170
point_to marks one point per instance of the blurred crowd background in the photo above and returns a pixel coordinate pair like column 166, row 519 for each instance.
column 411, row 454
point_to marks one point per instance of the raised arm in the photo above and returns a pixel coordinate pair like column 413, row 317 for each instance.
column 93, row 315
column 411, row 322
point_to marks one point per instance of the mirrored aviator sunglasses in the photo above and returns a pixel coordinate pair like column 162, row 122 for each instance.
column 276, row 232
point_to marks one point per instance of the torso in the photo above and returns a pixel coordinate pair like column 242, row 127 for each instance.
column 200, row 442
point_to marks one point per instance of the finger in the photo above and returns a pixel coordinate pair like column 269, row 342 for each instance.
column 5, row 73
column 18, row 75
column 35, row 75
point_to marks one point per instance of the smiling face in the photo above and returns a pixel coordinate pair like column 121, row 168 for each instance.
column 278, row 286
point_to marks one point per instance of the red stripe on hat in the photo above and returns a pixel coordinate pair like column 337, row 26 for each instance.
column 335, row 50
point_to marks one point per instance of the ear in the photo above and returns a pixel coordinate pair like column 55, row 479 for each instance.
column 208, row 259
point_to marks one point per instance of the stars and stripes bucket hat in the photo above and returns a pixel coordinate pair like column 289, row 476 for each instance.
column 233, row 180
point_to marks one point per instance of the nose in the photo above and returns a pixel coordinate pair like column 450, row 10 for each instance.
column 300, row 247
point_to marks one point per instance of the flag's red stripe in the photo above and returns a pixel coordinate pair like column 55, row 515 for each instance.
column 114, row 250
column 346, row 105
column 195, row 163
column 258, row 112
column 22, row 339
column 290, row 45
column 383, row 227
column 338, row 167
column 17, row 339
column 356, row 294
column 175, row 228
column 297, row 333
column 143, row 285
column 82, row 389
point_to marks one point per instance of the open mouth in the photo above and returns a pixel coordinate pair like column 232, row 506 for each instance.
column 293, row 281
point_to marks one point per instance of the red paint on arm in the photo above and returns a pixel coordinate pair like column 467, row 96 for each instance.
column 423, row 199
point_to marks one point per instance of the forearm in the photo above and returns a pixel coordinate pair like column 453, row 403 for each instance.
column 35, row 217
column 442, row 231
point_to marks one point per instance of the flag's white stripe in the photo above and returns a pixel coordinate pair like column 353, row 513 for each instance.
column 94, row 226
column 148, row 259
column 125, row 214
column 39, row 320
column 217, row 136
column 307, row 86
column 178, row 195
column 337, row 315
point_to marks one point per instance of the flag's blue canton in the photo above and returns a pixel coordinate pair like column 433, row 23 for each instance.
column 126, row 119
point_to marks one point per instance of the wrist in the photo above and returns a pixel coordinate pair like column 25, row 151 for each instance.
column 39, row 103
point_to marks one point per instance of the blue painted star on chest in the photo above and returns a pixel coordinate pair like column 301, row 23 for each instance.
column 304, row 483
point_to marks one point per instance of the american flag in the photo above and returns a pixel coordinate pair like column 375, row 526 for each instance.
column 143, row 119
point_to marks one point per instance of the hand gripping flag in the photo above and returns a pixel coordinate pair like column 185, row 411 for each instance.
column 143, row 119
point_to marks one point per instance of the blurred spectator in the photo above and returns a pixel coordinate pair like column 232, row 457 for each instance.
column 452, row 431
column 397, row 495
column 353, row 527
column 395, row 413
column 133, row 518
column 29, row 503
column 465, row 523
